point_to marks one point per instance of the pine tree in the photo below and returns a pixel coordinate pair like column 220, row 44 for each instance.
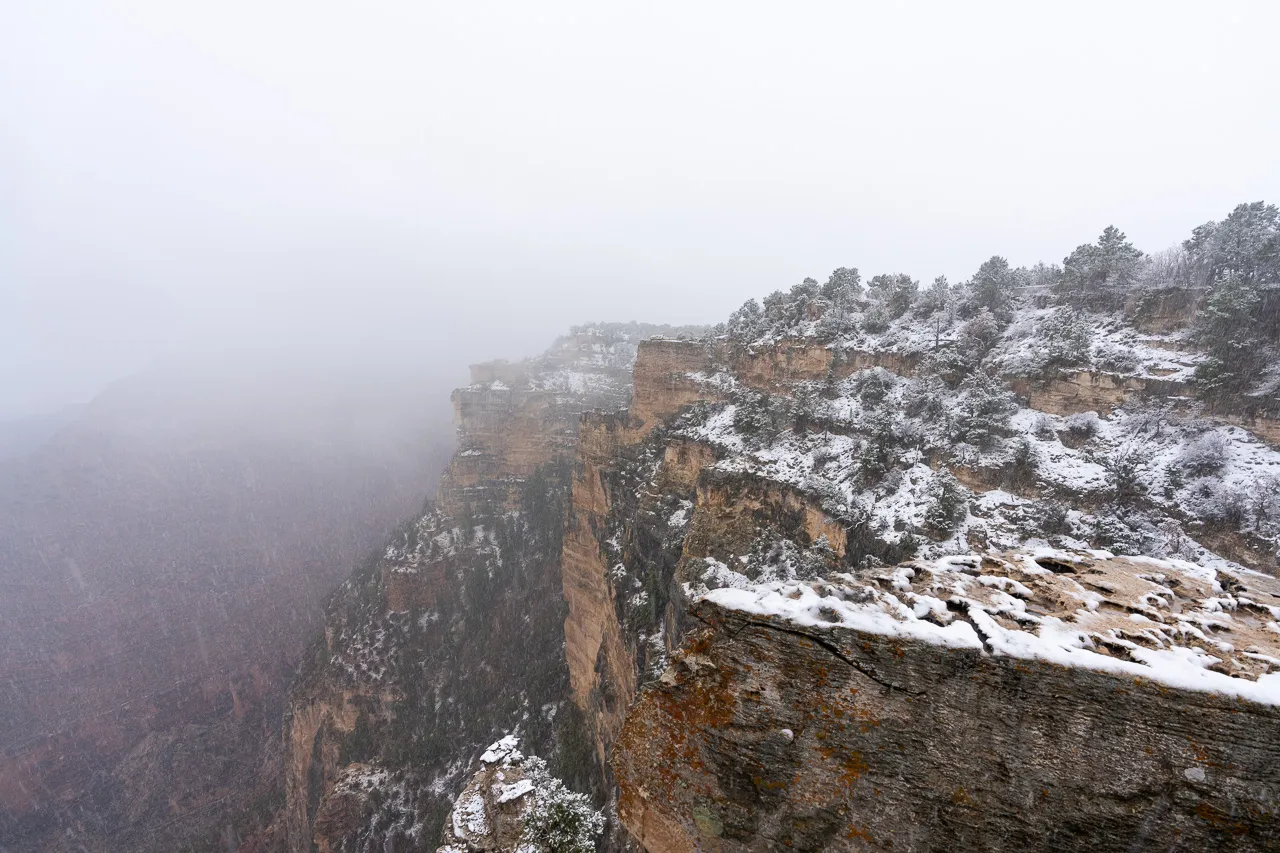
column 895, row 292
column 1246, row 244
column 843, row 287
column 984, row 409
column 1230, row 326
column 558, row 820
column 993, row 287
column 1100, row 275
column 946, row 505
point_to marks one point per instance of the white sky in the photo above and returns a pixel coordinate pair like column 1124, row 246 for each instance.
column 460, row 180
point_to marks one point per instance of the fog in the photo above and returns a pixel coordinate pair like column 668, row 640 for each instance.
column 366, row 184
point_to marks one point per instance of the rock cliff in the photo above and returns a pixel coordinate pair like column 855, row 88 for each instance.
column 453, row 634
column 1058, row 701
column 513, row 805
column 863, row 568
column 748, row 463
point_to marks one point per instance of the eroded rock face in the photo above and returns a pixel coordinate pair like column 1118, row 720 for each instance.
column 514, row 805
column 487, row 814
column 944, row 707
column 452, row 634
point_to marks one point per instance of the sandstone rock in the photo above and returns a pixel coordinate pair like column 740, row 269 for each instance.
column 486, row 815
column 805, row 723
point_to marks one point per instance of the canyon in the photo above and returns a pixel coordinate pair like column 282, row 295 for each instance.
column 832, row 575
column 574, row 584
column 164, row 558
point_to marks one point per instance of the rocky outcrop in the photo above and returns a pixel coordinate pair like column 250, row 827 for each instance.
column 513, row 805
column 666, row 378
column 733, row 511
column 453, row 634
column 1083, row 391
column 516, row 418
column 487, row 814
column 577, row 543
column 780, row 365
column 1030, row 711
column 601, row 653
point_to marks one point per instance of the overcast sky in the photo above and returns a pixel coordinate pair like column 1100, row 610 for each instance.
column 459, row 180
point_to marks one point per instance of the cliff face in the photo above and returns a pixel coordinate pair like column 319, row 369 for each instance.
column 816, row 717
column 746, row 465
column 590, row 579
column 453, row 636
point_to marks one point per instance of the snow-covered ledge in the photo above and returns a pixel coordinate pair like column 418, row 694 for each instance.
column 1168, row 621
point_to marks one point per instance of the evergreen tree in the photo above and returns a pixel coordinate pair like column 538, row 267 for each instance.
column 1044, row 276
column 993, row 287
column 1246, row 245
column 979, row 334
column 1064, row 338
column 937, row 303
column 1231, row 328
column 1100, row 275
column 938, row 296
column 558, row 820
column 984, row 410
column 947, row 505
column 747, row 323
column 843, row 287
column 894, row 292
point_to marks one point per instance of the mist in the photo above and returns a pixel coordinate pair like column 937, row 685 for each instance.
column 403, row 182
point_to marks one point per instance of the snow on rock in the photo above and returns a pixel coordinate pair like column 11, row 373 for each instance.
column 503, row 808
column 469, row 820
column 513, row 791
column 504, row 750
column 1168, row 621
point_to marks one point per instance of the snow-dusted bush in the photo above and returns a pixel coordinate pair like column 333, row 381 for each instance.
column 558, row 820
column 1264, row 507
column 983, row 410
column 876, row 319
column 1166, row 269
column 1063, row 338
column 948, row 502
column 1051, row 518
column 1113, row 534
column 1115, row 358
column 1082, row 426
column 1021, row 470
column 925, row 398
column 877, row 455
column 1172, row 541
column 1125, row 471
column 978, row 334
column 758, row 417
column 1205, row 455
column 874, row 385
column 1215, row 503
column 1150, row 417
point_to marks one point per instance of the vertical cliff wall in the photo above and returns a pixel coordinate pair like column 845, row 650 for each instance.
column 453, row 635
column 820, row 717
column 743, row 465
column 578, row 538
